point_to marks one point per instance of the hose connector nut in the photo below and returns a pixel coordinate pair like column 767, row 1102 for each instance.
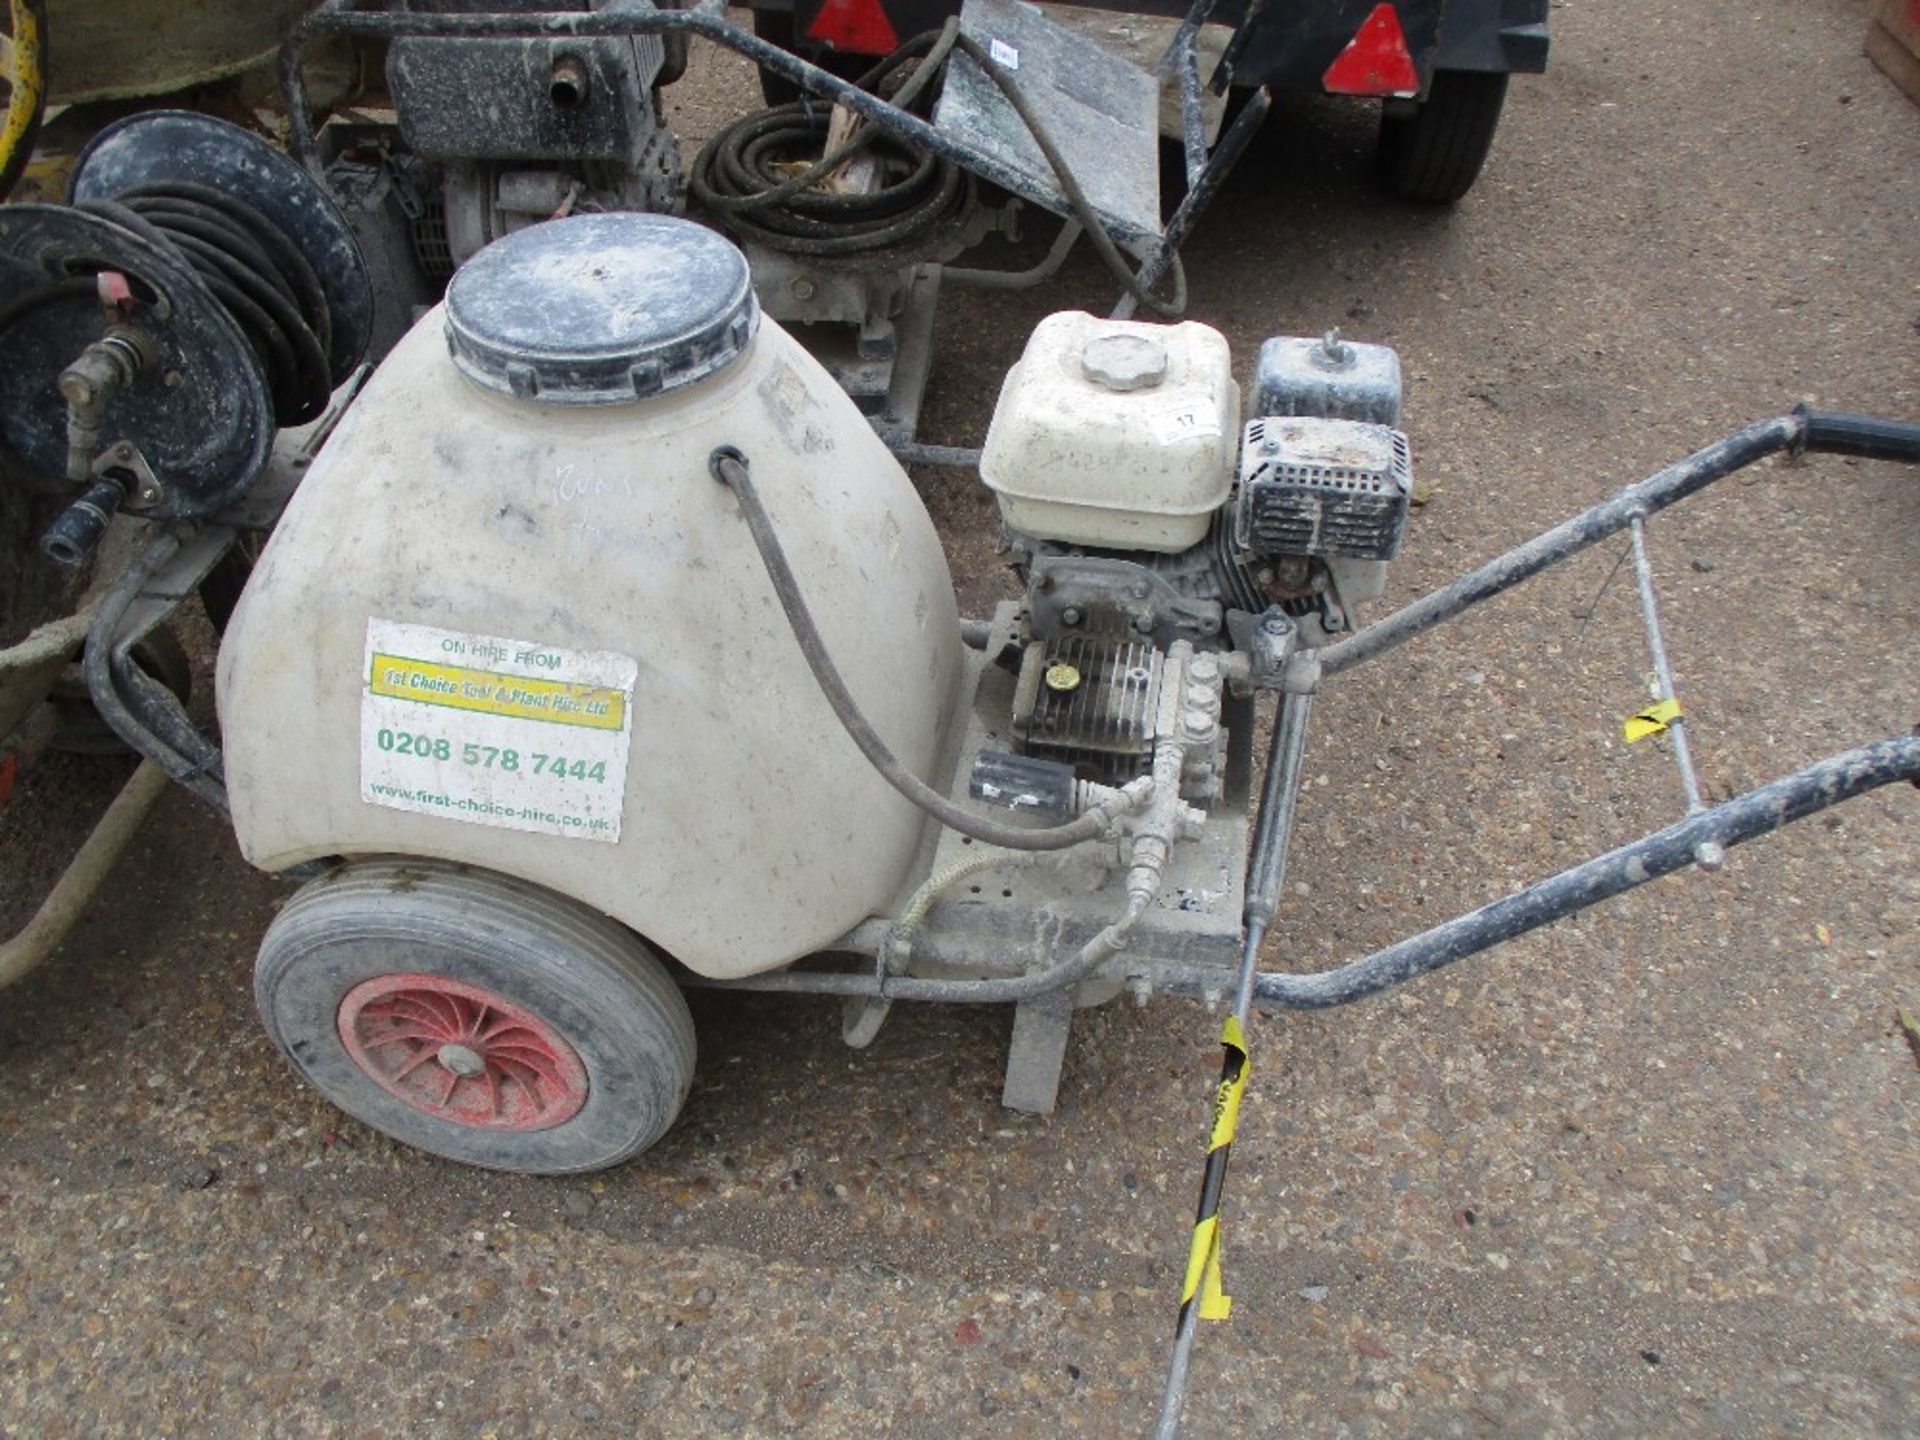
column 718, row 461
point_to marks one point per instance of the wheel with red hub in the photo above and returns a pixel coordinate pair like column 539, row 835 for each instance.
column 475, row 1016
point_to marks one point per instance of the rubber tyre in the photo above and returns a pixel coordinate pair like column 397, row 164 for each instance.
column 1434, row 155
column 592, row 982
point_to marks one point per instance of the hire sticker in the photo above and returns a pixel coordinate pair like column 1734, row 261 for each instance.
column 493, row 731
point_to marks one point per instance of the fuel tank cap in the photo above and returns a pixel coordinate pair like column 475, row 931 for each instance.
column 601, row 309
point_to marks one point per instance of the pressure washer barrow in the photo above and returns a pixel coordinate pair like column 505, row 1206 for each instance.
column 556, row 754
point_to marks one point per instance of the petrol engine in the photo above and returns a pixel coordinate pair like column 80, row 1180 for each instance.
column 1140, row 510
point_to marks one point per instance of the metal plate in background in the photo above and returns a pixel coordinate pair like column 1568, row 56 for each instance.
column 1101, row 113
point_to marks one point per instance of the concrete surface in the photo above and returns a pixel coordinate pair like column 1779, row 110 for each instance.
column 1653, row 1172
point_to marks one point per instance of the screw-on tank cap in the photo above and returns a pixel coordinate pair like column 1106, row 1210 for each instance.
column 601, row 309
column 1124, row 360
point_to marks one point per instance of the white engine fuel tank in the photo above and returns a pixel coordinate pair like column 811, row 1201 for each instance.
column 511, row 619
column 1115, row 433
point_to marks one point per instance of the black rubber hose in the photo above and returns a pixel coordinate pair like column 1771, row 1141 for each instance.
column 920, row 210
column 730, row 468
column 254, row 271
column 1828, row 432
column 151, row 722
column 740, row 173
column 931, row 48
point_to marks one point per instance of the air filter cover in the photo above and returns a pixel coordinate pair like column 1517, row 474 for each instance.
column 601, row 309
column 1310, row 486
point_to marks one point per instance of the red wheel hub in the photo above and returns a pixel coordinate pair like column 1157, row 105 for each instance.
column 462, row 1053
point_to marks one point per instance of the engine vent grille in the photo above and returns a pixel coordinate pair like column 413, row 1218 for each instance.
column 1322, row 487
column 430, row 245
column 1091, row 703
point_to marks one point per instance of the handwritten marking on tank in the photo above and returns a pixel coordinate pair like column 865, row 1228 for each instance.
column 573, row 488
column 583, row 537
column 485, row 730
column 584, row 492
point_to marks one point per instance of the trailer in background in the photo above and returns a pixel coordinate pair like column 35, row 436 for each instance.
column 1440, row 67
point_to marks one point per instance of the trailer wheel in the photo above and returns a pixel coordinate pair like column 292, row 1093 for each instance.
column 1434, row 155
column 476, row 1017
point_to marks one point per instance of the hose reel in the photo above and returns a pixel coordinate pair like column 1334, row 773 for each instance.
column 201, row 292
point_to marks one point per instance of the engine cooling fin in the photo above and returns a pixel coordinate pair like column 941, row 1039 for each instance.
column 1090, row 702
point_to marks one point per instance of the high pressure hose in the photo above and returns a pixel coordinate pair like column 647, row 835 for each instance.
column 730, row 468
column 743, row 173
column 254, row 271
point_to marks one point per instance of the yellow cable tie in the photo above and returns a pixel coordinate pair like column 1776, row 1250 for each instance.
column 1653, row 720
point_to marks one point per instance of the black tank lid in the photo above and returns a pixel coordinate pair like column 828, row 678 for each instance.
column 601, row 309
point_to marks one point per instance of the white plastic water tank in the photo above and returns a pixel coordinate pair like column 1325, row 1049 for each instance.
column 510, row 618
column 1115, row 433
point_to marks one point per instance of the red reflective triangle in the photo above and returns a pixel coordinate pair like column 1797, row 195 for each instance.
column 1376, row 61
column 860, row 27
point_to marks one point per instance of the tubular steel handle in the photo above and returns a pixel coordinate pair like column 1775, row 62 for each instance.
column 1830, row 432
column 1734, row 822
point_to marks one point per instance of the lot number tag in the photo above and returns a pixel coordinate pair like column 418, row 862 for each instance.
column 496, row 732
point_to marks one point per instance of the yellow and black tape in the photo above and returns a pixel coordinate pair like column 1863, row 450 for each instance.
column 1656, row 719
column 1202, row 1283
column 1233, row 1084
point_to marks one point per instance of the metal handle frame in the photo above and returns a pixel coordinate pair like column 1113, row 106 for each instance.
column 1700, row 838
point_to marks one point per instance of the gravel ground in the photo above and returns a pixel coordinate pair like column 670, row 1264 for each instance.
column 1651, row 1172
